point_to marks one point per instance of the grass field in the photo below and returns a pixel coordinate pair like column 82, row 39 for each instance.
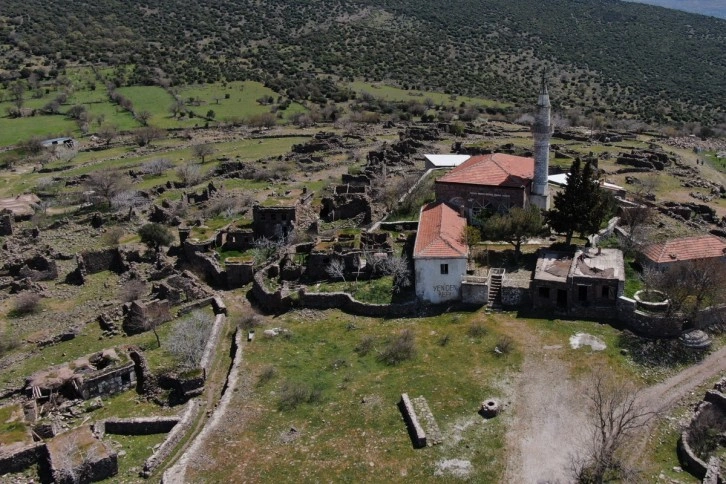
column 242, row 101
column 391, row 93
column 352, row 430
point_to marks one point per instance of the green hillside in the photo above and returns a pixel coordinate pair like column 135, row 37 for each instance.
column 608, row 56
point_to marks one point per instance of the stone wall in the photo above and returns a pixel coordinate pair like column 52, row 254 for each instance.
column 515, row 292
column 175, row 436
column 109, row 382
column 474, row 292
column 21, row 459
column 176, row 472
column 102, row 260
column 418, row 436
column 212, row 342
column 271, row 301
column 140, row 316
column 345, row 302
column 482, row 194
column 713, row 406
column 6, row 223
column 239, row 273
column 399, row 226
column 136, row 426
column 710, row 316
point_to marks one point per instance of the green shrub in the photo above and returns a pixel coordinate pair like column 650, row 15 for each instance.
column 399, row 349
column 294, row 394
column 365, row 346
column 504, row 346
column 476, row 330
column 268, row 373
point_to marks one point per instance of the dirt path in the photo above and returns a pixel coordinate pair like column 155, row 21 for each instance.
column 550, row 423
column 550, row 420
column 666, row 395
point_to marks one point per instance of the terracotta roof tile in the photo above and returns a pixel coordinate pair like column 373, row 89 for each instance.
column 439, row 233
column 688, row 248
column 497, row 169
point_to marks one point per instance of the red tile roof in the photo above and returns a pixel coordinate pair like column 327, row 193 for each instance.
column 688, row 248
column 497, row 169
column 440, row 230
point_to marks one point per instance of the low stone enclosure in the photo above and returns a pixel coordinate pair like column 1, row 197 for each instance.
column 73, row 456
column 420, row 422
column 110, row 379
column 705, row 438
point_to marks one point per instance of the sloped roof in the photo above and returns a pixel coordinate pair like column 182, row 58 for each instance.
column 440, row 228
column 687, row 248
column 497, row 169
column 447, row 160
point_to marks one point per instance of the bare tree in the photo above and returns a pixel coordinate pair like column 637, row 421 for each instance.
column 107, row 183
column 17, row 90
column 336, row 269
column 143, row 117
column 188, row 338
column 107, row 133
column 202, row 151
column 189, row 174
column 637, row 219
column 73, row 459
column 614, row 415
column 398, row 267
column 690, row 285
column 144, row 136
column 157, row 166
column 265, row 249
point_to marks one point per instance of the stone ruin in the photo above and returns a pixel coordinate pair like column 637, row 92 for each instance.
column 322, row 141
column 705, row 438
column 348, row 201
column 313, row 260
column 102, row 373
column 6, row 222
column 420, row 133
column 79, row 456
column 195, row 198
column 420, row 421
column 647, row 159
column 37, row 267
column 141, row 316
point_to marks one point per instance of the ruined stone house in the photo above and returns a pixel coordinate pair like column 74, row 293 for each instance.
column 583, row 284
column 278, row 217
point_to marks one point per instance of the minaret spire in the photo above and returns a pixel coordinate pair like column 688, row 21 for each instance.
column 542, row 132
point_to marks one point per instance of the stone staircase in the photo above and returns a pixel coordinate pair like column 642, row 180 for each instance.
column 496, row 275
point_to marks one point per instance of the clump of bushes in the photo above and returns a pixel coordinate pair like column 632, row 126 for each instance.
column 503, row 346
column 365, row 345
column 8, row 343
column 294, row 394
column 476, row 330
column 249, row 321
column 399, row 349
column 26, row 303
column 268, row 373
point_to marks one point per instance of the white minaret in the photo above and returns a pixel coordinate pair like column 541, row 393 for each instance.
column 542, row 131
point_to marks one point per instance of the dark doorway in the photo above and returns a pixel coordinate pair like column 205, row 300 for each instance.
column 582, row 293
column 561, row 298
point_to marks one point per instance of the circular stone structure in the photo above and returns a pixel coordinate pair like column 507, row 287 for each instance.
column 489, row 408
column 651, row 300
column 695, row 339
